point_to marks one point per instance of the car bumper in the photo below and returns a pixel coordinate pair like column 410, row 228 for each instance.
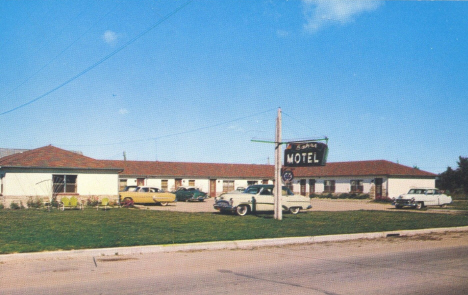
column 224, row 206
column 404, row 203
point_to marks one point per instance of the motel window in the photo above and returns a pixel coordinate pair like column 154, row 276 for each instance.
column 122, row 184
column 329, row 186
column 191, row 182
column 164, row 185
column 64, row 184
column 228, row 185
column 357, row 186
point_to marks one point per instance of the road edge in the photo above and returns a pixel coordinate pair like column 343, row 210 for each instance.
column 222, row 245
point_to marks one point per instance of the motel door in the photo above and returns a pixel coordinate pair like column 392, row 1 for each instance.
column 212, row 188
column 303, row 187
column 178, row 183
column 378, row 188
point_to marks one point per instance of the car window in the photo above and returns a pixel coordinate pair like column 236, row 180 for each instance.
column 287, row 191
column 267, row 192
column 144, row 189
column 251, row 190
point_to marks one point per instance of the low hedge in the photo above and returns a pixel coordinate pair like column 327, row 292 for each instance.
column 354, row 196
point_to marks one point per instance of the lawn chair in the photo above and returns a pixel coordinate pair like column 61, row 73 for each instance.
column 104, row 204
column 75, row 204
column 64, row 203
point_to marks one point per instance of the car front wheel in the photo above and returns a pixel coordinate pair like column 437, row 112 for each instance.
column 294, row 210
column 242, row 210
column 419, row 205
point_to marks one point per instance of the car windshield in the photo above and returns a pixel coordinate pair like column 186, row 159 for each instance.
column 252, row 190
column 417, row 191
column 130, row 189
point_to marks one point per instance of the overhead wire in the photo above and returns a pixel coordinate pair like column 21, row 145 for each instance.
column 63, row 51
column 171, row 134
column 169, row 15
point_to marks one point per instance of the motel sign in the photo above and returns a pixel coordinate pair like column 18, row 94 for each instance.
column 305, row 154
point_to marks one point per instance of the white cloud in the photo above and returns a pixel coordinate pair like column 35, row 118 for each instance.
column 110, row 37
column 123, row 111
column 319, row 13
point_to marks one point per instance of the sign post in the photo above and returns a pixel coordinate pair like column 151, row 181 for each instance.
column 297, row 154
column 278, row 183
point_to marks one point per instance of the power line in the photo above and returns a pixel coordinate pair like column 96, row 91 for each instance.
column 63, row 51
column 101, row 60
column 169, row 135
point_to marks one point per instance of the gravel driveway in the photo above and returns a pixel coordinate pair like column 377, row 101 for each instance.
column 317, row 205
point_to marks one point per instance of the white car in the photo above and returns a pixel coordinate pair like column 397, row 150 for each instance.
column 260, row 198
column 421, row 197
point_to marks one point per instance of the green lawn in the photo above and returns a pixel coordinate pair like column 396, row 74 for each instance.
column 40, row 230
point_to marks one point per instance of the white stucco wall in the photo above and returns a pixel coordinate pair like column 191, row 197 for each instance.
column 398, row 186
column 37, row 183
column 97, row 184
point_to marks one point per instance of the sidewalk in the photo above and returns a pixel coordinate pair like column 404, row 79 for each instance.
column 224, row 245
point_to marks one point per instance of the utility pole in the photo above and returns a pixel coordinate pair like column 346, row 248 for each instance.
column 278, row 182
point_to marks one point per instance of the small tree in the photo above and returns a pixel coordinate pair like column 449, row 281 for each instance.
column 456, row 181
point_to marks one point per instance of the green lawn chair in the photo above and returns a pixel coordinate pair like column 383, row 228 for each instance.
column 64, row 203
column 75, row 204
column 104, row 204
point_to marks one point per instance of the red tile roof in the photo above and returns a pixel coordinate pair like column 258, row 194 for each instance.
column 52, row 157
column 210, row 170
column 361, row 168
column 183, row 169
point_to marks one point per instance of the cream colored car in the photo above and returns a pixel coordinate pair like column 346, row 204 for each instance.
column 145, row 195
column 260, row 198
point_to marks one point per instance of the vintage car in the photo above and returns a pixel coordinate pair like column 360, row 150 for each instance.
column 190, row 194
column 260, row 198
column 145, row 195
column 421, row 197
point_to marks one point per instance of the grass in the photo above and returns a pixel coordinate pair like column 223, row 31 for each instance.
column 40, row 230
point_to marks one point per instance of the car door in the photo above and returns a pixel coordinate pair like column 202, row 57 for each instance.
column 265, row 199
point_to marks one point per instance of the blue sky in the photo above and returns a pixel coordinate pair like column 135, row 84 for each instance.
column 196, row 81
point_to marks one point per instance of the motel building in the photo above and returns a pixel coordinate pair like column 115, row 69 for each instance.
column 50, row 171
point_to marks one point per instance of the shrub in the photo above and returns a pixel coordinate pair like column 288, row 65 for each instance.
column 16, row 206
column 2, row 206
column 34, row 203
column 92, row 201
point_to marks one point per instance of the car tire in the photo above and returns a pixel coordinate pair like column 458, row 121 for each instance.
column 127, row 202
column 419, row 205
column 242, row 210
column 294, row 210
column 398, row 206
column 164, row 203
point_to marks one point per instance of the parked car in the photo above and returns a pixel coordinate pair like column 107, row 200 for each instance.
column 421, row 197
column 260, row 198
column 145, row 195
column 190, row 193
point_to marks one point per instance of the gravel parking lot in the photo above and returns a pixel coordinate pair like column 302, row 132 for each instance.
column 317, row 205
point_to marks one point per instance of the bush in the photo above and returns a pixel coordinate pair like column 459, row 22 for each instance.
column 2, row 206
column 92, row 201
column 34, row 203
column 16, row 206
column 354, row 196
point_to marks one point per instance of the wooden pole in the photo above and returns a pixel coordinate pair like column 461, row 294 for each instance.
column 278, row 183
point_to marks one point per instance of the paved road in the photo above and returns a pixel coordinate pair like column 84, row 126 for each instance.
column 427, row 264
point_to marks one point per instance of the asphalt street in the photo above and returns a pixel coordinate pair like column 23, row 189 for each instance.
column 425, row 264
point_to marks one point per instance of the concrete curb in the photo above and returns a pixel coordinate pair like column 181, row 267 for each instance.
column 224, row 245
